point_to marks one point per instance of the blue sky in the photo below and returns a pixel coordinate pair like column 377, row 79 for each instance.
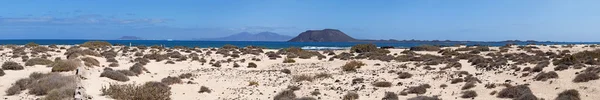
column 481, row 20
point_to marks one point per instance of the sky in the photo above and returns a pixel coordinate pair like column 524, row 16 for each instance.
column 476, row 20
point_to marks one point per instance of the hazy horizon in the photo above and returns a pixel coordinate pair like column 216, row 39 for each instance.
column 474, row 20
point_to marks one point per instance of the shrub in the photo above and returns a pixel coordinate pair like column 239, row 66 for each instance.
column 350, row 96
column 90, row 62
column 114, row 75
column 421, row 89
column 60, row 94
column 561, row 67
column 113, row 65
column 425, row 48
column 171, row 80
column 186, row 75
column 2, row 72
column 285, row 95
column 127, row 72
column 404, row 75
column 204, row 89
column 305, row 98
column 65, row 65
column 515, row 92
column 456, row 80
column 50, row 82
column 31, row 44
column 286, row 71
column 585, row 77
column 323, row 75
column 303, row 77
column 38, row 61
column 360, row 48
column 138, row 68
column 229, row 46
column 390, row 96
column 289, row 60
column 11, row 65
column 382, row 84
column 424, row 98
column 148, row 91
column 169, row 62
column 571, row 94
column 352, row 65
column 252, row 65
column 469, row 94
column 95, row 44
column 545, row 76
column 113, row 60
column 252, row 83
column 468, row 85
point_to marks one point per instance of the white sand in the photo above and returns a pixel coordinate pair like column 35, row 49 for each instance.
column 228, row 83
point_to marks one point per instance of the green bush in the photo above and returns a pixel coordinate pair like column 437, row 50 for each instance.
column 148, row 91
column 38, row 61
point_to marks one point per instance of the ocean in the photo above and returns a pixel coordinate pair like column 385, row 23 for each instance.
column 271, row 45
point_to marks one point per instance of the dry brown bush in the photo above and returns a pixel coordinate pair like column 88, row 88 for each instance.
column 148, row 91
column 38, row 61
column 352, row 66
column 11, row 65
column 90, row 62
column 65, row 65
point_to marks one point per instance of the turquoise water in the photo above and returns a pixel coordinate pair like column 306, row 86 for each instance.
column 273, row 45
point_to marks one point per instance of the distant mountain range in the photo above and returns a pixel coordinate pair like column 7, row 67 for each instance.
column 130, row 38
column 245, row 36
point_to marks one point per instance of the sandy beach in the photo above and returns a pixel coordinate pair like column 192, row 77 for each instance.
column 228, row 73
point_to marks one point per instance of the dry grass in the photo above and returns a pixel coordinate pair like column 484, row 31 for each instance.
column 11, row 65
column 352, row 66
column 65, row 65
column 38, row 61
column 148, row 91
